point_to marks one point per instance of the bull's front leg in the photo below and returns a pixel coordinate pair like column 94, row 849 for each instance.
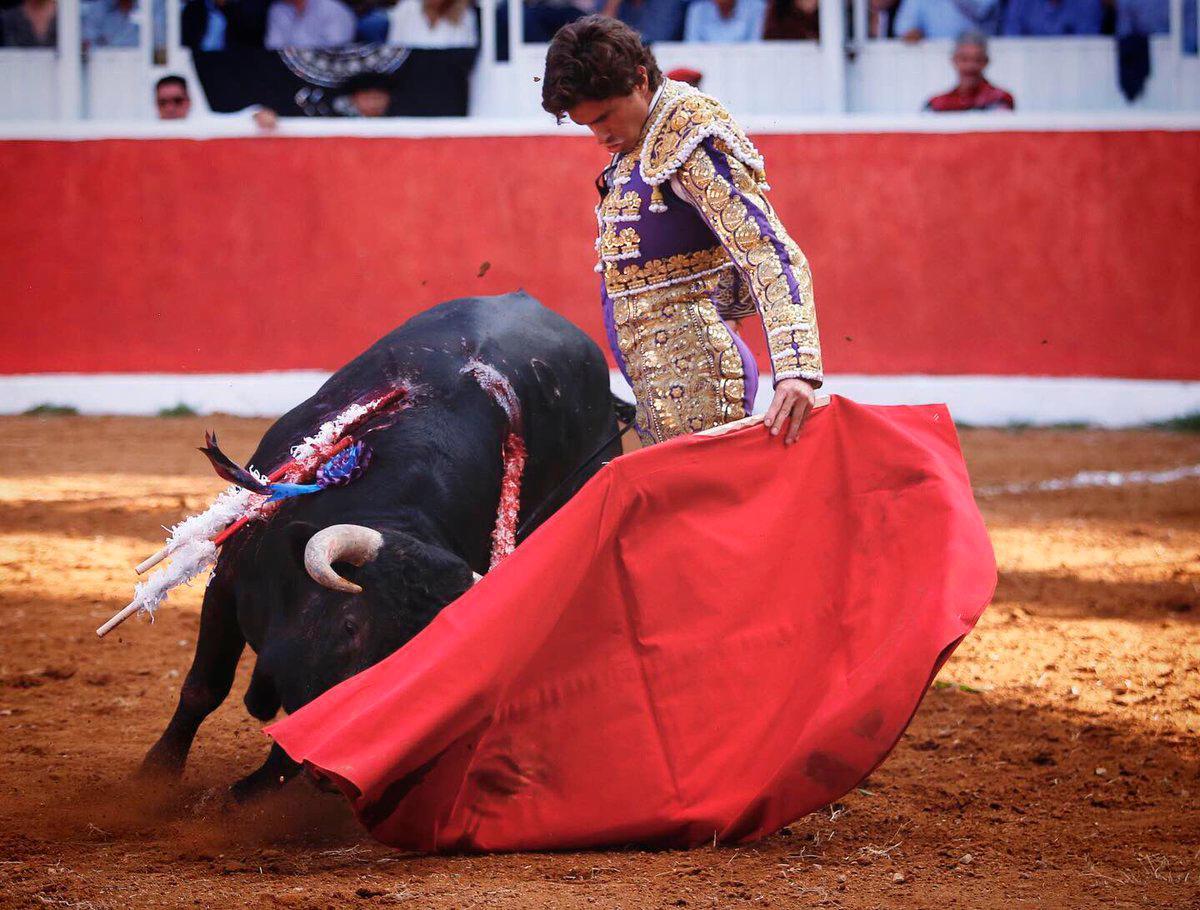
column 218, row 648
column 276, row 771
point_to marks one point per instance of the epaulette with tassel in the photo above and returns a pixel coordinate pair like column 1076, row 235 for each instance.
column 684, row 118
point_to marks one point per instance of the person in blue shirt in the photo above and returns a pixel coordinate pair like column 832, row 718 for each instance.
column 1053, row 17
column 218, row 25
column 112, row 23
column 202, row 25
column 1143, row 17
column 919, row 19
column 109, row 23
column 654, row 20
column 725, row 21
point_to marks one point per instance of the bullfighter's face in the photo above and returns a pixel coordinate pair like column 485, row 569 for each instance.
column 617, row 122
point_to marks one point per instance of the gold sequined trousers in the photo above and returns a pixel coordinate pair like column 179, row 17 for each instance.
column 680, row 357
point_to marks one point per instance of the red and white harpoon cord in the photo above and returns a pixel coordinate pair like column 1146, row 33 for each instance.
column 512, row 453
column 194, row 542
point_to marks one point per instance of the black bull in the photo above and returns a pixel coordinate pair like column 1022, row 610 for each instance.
column 430, row 491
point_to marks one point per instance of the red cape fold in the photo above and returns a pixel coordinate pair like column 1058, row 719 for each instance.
column 716, row 636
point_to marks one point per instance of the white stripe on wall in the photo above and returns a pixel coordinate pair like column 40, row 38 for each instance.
column 235, row 126
column 982, row 400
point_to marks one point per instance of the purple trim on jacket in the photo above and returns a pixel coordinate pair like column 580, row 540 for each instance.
column 764, row 227
column 749, row 368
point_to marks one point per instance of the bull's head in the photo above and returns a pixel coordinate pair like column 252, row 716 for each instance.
column 374, row 591
column 343, row 543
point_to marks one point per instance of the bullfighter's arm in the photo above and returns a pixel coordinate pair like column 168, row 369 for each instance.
column 731, row 200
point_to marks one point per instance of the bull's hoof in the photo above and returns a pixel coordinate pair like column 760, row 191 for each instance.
column 158, row 775
column 162, row 763
column 253, row 787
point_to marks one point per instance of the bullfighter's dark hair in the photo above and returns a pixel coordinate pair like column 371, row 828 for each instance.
column 591, row 59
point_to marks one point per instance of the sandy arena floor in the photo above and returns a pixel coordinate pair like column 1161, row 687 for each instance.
column 1054, row 764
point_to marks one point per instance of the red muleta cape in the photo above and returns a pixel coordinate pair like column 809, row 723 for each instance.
column 715, row 637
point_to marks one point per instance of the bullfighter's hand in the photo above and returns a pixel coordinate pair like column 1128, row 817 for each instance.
column 793, row 400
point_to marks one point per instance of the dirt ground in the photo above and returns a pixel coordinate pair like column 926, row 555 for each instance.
column 1053, row 764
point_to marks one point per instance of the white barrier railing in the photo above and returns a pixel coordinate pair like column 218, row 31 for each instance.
column 832, row 20
column 70, row 72
column 838, row 74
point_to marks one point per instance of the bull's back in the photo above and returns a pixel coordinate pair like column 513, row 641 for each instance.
column 558, row 372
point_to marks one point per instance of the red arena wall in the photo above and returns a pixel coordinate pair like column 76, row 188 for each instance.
column 1024, row 253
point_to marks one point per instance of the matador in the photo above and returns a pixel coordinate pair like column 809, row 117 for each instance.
column 688, row 244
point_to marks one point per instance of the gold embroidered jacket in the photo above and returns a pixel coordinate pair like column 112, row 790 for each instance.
column 688, row 243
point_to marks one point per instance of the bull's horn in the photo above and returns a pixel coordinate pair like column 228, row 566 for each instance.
column 340, row 543
column 476, row 578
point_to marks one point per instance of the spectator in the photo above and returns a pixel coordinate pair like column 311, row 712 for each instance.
column 656, row 20
column 172, row 99
column 545, row 17
column 434, row 23
column 33, row 23
column 364, row 95
column 881, row 18
column 919, row 19
column 973, row 92
column 793, row 20
column 1137, row 20
column 1053, row 17
column 1143, row 17
column 217, row 25
column 724, row 21
column 174, row 102
column 542, row 18
column 109, row 23
column 309, row 24
column 373, row 20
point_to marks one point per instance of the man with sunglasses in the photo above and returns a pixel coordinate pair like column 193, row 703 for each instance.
column 171, row 98
column 688, row 244
column 174, row 102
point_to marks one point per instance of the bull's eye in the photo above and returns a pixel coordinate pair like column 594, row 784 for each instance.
column 349, row 626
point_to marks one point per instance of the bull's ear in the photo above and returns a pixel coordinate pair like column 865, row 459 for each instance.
column 457, row 578
column 296, row 535
column 429, row 576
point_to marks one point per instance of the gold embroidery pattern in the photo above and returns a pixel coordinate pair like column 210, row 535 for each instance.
column 616, row 245
column 676, row 269
column 624, row 207
column 684, row 119
column 685, row 369
column 791, row 324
